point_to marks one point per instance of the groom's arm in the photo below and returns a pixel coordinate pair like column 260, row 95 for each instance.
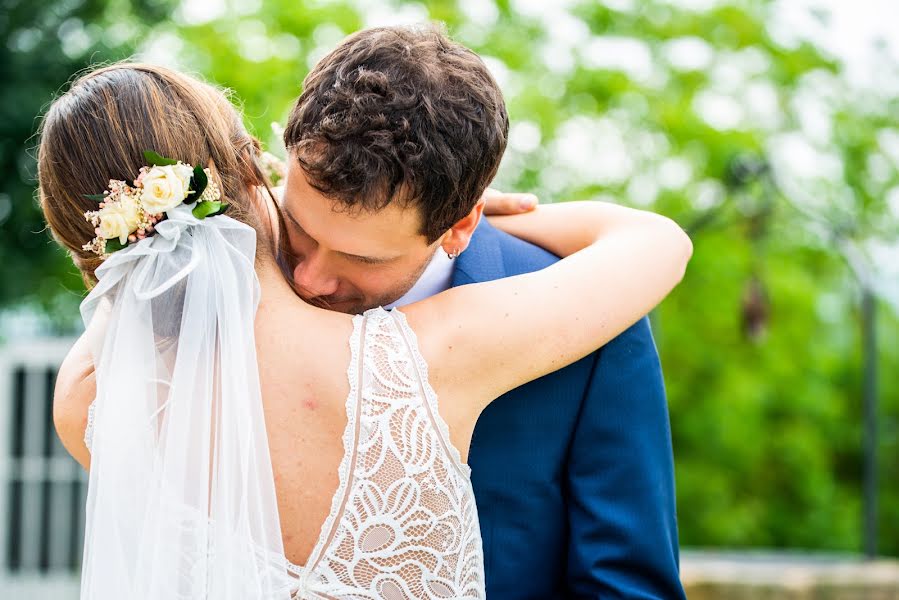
column 620, row 479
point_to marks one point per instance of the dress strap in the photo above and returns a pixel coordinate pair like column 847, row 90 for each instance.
column 429, row 396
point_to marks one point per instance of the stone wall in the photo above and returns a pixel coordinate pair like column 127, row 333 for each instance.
column 787, row 576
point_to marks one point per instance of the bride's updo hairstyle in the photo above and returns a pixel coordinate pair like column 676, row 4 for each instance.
column 99, row 129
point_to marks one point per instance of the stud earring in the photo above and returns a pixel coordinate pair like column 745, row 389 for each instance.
column 454, row 254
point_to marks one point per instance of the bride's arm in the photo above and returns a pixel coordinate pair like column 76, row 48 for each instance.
column 562, row 231
column 564, row 228
column 75, row 390
column 487, row 338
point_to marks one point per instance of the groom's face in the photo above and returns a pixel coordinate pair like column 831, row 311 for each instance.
column 351, row 261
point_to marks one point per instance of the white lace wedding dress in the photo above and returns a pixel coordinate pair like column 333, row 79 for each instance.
column 403, row 522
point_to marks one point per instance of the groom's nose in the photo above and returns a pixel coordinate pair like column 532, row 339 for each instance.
column 312, row 275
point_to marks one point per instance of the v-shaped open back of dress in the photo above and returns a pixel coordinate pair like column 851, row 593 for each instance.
column 403, row 522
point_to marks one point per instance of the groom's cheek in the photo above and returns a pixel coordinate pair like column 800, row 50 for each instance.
column 371, row 279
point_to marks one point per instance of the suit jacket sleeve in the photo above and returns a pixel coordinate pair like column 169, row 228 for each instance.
column 620, row 479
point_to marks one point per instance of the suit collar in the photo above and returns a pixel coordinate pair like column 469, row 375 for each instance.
column 483, row 259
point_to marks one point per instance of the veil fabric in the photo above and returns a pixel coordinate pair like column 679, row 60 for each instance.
column 181, row 500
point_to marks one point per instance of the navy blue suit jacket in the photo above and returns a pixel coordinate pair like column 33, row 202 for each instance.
column 573, row 472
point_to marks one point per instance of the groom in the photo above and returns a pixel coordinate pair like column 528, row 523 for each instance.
column 396, row 136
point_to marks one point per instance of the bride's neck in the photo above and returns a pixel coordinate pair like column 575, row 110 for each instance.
column 275, row 289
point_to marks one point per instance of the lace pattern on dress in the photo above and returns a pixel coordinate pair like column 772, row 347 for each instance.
column 430, row 394
column 409, row 527
column 89, row 430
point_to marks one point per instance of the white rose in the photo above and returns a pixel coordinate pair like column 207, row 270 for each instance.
column 165, row 187
column 119, row 219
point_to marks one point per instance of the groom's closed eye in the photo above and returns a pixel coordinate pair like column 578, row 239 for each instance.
column 297, row 229
column 368, row 260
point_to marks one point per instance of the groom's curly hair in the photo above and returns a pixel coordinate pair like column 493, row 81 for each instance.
column 400, row 114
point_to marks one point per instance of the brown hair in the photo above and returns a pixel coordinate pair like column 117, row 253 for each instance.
column 397, row 113
column 99, row 129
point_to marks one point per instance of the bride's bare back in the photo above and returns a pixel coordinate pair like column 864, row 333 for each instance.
column 303, row 358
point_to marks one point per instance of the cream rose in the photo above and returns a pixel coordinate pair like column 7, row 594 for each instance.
column 165, row 187
column 119, row 219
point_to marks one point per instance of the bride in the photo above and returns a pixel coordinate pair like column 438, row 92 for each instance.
column 243, row 444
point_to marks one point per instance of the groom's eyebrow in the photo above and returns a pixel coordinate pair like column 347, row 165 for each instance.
column 366, row 259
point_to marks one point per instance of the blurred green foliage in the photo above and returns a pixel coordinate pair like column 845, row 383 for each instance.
column 44, row 45
column 698, row 114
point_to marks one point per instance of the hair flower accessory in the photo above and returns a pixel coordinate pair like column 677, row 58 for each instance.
column 129, row 213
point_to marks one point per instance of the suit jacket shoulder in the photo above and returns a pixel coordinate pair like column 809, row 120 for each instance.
column 494, row 254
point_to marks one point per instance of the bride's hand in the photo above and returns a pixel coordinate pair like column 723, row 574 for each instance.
column 498, row 203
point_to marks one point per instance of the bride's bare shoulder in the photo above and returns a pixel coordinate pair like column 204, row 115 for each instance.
column 75, row 390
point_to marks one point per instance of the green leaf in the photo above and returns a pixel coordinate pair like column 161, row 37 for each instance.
column 222, row 209
column 96, row 197
column 209, row 209
column 155, row 160
column 114, row 245
column 198, row 184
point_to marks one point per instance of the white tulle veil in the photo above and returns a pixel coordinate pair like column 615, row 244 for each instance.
column 181, row 500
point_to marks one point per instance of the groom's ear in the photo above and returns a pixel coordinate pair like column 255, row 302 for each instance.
column 456, row 240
